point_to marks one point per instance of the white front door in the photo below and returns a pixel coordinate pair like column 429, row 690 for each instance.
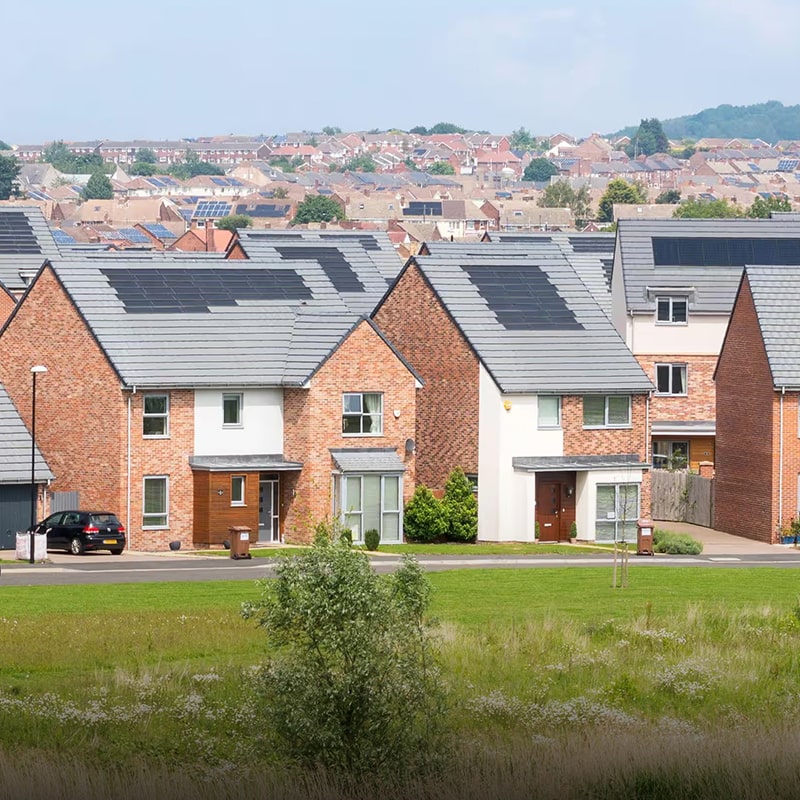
column 268, row 511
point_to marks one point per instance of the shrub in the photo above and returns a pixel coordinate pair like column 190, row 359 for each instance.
column 460, row 508
column 352, row 682
column 372, row 539
column 573, row 531
column 676, row 543
column 536, row 529
column 424, row 518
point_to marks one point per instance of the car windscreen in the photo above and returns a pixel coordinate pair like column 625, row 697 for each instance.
column 103, row 519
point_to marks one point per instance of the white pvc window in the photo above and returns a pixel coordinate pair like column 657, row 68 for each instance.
column 549, row 411
column 232, row 409
column 617, row 512
column 372, row 502
column 155, row 416
column 672, row 310
column 237, row 490
column 362, row 414
column 155, row 502
column 671, row 379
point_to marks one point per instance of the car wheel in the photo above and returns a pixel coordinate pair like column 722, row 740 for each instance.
column 116, row 551
column 76, row 547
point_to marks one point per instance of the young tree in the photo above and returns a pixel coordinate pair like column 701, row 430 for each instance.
column 706, row 209
column 648, row 139
column 234, row 221
column 561, row 195
column 144, row 155
column 668, row 197
column 98, row 187
column 441, row 168
column 539, row 170
column 352, row 681
column 9, row 171
column 460, row 508
column 331, row 130
column 362, row 163
column 762, row 207
column 317, row 208
column 521, row 139
column 280, row 193
column 424, row 518
column 619, row 191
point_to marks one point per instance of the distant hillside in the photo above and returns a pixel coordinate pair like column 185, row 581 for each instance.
column 771, row 121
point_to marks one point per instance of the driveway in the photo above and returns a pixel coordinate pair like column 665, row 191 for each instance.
column 717, row 543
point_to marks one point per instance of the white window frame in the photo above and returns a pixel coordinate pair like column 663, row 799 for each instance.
column 672, row 300
column 606, row 423
column 165, row 515
column 362, row 414
column 240, row 405
column 544, row 425
column 617, row 519
column 672, row 367
column 161, row 415
column 345, row 512
column 242, row 481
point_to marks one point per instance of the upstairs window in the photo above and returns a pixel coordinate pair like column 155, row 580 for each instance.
column 549, row 411
column 232, row 410
column 155, row 416
column 671, row 379
column 362, row 414
column 606, row 411
column 672, row 310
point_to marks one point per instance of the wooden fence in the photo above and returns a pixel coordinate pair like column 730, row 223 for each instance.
column 683, row 496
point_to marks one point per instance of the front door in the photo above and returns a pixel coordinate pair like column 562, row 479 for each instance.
column 548, row 510
column 268, row 511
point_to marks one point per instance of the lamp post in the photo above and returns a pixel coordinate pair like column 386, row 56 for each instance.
column 35, row 370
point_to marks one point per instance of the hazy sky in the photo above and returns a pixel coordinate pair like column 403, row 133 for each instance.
column 172, row 68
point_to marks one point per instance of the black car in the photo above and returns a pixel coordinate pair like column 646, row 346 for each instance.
column 78, row 531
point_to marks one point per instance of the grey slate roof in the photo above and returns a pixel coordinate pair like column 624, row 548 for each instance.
column 776, row 294
column 244, row 342
column 371, row 254
column 368, row 459
column 262, row 463
column 24, row 254
column 576, row 463
column 587, row 356
column 15, row 447
column 715, row 287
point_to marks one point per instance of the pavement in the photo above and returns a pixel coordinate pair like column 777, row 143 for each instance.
column 717, row 543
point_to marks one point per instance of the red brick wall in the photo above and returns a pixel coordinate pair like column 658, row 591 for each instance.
column 7, row 304
column 700, row 400
column 743, row 485
column 80, row 412
column 313, row 425
column 417, row 324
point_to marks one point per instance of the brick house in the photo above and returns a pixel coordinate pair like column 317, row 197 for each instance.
column 527, row 387
column 191, row 395
column 756, row 491
column 673, row 286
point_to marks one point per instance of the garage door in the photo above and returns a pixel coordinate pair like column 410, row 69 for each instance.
column 15, row 514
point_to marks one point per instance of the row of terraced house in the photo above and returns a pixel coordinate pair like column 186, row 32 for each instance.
column 309, row 374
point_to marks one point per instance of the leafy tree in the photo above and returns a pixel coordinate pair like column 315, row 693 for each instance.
column 280, row 193
column 98, row 187
column 317, row 208
column 409, row 162
column 648, row 139
column 361, row 163
column 282, row 163
column 352, row 682
column 331, row 130
column 762, row 207
column 424, row 518
column 4, row 146
column 561, row 195
column 194, row 166
column 234, row 221
column 57, row 153
column 445, row 127
column 669, row 196
column 419, row 130
column 460, row 508
column 619, row 191
column 441, row 168
column 706, row 209
column 142, row 168
column 521, row 139
column 144, row 155
column 540, row 169
column 9, row 171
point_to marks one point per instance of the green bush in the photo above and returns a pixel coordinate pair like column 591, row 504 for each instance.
column 676, row 544
column 573, row 531
column 536, row 529
column 424, row 518
column 460, row 508
column 372, row 539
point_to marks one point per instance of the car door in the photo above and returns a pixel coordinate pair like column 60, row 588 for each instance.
column 52, row 527
column 70, row 527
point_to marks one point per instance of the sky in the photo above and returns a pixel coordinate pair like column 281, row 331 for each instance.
column 175, row 69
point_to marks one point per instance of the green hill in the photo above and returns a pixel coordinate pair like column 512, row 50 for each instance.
column 770, row 121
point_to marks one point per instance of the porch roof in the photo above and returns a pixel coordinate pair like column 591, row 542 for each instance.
column 576, row 463
column 680, row 427
column 257, row 463
column 368, row 459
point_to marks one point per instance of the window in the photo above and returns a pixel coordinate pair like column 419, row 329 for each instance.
column 670, row 454
column 155, row 416
column 617, row 512
column 362, row 414
column 672, row 310
column 549, row 411
column 671, row 378
column 372, row 501
column 232, row 409
column 155, row 502
column 606, row 411
column 237, row 490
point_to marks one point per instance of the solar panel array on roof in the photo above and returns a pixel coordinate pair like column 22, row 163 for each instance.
column 333, row 264
column 212, row 208
column 62, row 237
column 16, row 234
column 523, row 299
column 592, row 244
column 423, row 208
column 134, row 236
column 167, row 291
column 367, row 242
column 158, row 230
column 788, row 164
column 700, row 251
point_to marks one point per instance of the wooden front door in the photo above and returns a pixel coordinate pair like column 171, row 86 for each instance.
column 548, row 510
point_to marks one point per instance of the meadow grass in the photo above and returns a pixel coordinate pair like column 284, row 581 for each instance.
column 541, row 665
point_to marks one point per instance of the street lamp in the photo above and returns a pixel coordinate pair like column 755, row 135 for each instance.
column 35, row 370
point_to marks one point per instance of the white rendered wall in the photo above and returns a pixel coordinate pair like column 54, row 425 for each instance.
column 586, row 495
column 261, row 431
column 702, row 336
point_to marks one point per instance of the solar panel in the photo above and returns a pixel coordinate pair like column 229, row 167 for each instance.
column 367, row 242
column 522, row 298
column 134, row 236
column 156, row 182
column 16, row 234
column 62, row 237
column 724, row 251
column 170, row 291
column 420, row 208
column 333, row 264
column 592, row 244
column 219, row 181
column 788, row 164
column 159, row 231
column 212, row 208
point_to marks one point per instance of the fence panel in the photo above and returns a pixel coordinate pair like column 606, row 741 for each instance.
column 64, row 501
column 682, row 496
